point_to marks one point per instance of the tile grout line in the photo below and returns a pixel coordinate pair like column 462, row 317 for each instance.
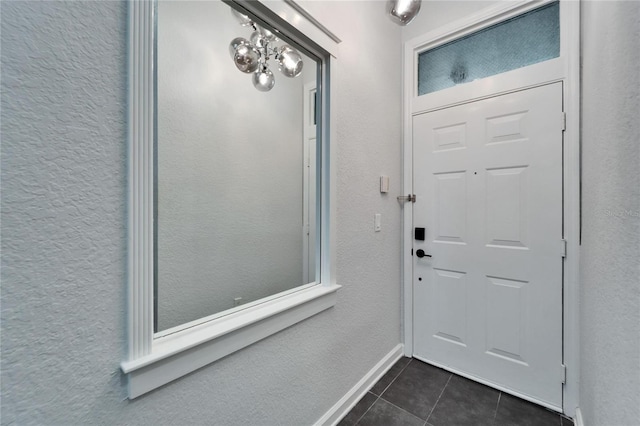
column 495, row 413
column 394, row 379
column 380, row 396
column 438, row 400
column 400, row 408
column 368, row 409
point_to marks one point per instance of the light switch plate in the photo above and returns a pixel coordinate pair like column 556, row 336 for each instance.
column 384, row 184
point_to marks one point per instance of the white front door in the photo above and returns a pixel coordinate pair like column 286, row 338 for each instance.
column 488, row 181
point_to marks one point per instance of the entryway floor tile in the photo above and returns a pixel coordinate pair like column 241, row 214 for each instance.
column 383, row 413
column 465, row 403
column 417, row 388
column 415, row 393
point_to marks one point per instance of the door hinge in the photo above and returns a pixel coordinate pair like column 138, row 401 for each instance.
column 563, row 247
column 405, row 198
column 563, row 373
column 563, row 121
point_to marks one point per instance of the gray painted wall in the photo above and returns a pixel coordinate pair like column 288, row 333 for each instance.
column 610, row 253
column 63, row 228
column 437, row 13
column 230, row 163
column 64, row 233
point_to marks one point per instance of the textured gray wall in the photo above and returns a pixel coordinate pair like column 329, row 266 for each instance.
column 64, row 219
column 437, row 13
column 610, row 253
column 63, row 229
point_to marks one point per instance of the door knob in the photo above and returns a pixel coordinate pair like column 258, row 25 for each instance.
column 420, row 253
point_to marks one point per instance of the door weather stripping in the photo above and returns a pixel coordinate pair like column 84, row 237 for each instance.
column 406, row 198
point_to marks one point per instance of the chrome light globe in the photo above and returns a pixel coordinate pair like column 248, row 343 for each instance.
column 268, row 35
column 247, row 58
column 289, row 61
column 264, row 80
column 258, row 40
column 233, row 46
column 403, row 11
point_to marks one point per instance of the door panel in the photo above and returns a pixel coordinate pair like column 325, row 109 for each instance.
column 451, row 198
column 488, row 181
column 450, row 289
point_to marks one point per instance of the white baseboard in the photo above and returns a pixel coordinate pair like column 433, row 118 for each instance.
column 579, row 421
column 351, row 398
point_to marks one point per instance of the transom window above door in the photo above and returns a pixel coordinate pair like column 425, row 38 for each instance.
column 526, row 39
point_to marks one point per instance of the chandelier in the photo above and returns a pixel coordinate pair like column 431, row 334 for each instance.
column 252, row 56
column 403, row 11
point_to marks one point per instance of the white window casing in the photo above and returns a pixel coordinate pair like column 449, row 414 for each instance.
column 154, row 359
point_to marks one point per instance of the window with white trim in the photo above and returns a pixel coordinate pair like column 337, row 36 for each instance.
column 156, row 358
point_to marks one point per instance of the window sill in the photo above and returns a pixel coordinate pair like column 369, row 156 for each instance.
column 180, row 353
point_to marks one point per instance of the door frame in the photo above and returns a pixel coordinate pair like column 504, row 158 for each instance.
column 308, row 202
column 565, row 68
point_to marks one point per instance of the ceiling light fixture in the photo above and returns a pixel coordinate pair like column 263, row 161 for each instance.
column 252, row 56
column 403, row 11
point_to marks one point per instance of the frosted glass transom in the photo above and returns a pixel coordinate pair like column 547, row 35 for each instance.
column 515, row 43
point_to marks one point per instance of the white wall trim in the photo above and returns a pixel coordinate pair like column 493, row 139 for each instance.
column 308, row 211
column 140, row 171
column 570, row 49
column 299, row 18
column 197, row 349
column 355, row 394
column 578, row 418
column 310, row 18
column 566, row 69
column 406, row 231
column 230, row 325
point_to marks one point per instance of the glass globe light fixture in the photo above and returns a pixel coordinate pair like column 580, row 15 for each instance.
column 268, row 35
column 258, row 39
column 252, row 56
column 403, row 11
column 247, row 58
column 289, row 61
column 263, row 79
column 235, row 43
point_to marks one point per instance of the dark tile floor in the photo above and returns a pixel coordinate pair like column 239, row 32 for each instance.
column 415, row 393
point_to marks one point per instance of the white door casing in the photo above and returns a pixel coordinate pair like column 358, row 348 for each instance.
column 309, row 184
column 565, row 69
column 488, row 180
